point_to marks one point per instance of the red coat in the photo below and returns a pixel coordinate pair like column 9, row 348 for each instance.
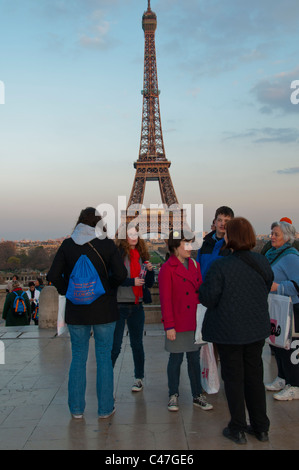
column 178, row 289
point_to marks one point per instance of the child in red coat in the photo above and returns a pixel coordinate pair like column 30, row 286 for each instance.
column 179, row 281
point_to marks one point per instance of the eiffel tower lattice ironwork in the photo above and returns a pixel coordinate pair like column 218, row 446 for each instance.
column 152, row 164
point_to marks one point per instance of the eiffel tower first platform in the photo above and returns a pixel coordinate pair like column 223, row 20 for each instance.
column 152, row 164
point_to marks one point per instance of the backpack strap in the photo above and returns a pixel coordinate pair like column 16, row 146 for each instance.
column 94, row 249
column 246, row 258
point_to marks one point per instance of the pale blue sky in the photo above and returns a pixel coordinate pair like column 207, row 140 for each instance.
column 70, row 126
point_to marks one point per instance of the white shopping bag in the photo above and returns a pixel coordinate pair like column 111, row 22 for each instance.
column 200, row 314
column 209, row 371
column 61, row 325
column 281, row 313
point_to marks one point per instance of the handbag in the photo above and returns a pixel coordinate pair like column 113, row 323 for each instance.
column 209, row 371
column 200, row 315
column 61, row 325
column 281, row 317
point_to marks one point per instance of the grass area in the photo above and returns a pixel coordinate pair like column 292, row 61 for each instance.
column 155, row 258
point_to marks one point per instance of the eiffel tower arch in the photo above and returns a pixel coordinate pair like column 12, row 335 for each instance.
column 152, row 164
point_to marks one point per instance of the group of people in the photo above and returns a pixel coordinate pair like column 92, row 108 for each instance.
column 233, row 283
column 14, row 290
column 228, row 278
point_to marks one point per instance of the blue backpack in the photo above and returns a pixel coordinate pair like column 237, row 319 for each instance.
column 19, row 305
column 85, row 285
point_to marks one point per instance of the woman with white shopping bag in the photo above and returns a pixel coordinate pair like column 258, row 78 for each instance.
column 284, row 261
column 235, row 292
column 179, row 280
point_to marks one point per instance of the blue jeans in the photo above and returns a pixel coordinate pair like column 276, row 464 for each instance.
column 103, row 336
column 174, row 369
column 134, row 315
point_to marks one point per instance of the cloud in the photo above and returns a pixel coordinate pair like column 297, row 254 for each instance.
column 274, row 93
column 226, row 35
column 98, row 36
column 268, row 135
column 289, row 171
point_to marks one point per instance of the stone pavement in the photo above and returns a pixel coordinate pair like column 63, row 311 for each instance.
column 34, row 413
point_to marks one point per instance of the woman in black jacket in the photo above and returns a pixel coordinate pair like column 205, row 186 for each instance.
column 101, row 314
column 237, row 320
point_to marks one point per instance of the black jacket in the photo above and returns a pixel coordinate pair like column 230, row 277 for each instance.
column 104, row 309
column 236, row 297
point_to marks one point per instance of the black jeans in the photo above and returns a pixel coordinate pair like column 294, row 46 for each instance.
column 242, row 372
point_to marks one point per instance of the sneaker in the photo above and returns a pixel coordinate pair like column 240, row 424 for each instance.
column 137, row 385
column 201, row 401
column 108, row 416
column 288, row 393
column 173, row 403
column 77, row 416
column 276, row 385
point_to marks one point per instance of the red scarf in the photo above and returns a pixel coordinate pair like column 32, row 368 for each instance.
column 134, row 272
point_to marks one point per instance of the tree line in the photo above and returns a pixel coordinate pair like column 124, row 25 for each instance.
column 37, row 258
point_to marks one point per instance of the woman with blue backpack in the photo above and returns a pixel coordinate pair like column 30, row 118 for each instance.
column 16, row 308
column 87, row 269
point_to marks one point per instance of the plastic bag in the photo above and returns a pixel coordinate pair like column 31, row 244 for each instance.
column 281, row 312
column 209, row 371
column 200, row 314
column 61, row 325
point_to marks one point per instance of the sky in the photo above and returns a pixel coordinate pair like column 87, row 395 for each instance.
column 71, row 75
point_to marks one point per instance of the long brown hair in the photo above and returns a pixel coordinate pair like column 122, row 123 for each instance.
column 141, row 247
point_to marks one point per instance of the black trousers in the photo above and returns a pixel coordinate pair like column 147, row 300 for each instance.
column 243, row 372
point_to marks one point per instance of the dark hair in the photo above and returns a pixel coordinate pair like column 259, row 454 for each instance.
column 40, row 281
column 88, row 217
column 175, row 239
column 31, row 283
column 240, row 234
column 225, row 210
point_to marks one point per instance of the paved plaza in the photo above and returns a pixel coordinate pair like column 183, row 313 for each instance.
column 34, row 413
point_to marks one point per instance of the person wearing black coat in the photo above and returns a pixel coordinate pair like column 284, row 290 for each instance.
column 235, row 292
column 101, row 315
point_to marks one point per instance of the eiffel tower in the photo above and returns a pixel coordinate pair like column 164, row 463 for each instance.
column 152, row 164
